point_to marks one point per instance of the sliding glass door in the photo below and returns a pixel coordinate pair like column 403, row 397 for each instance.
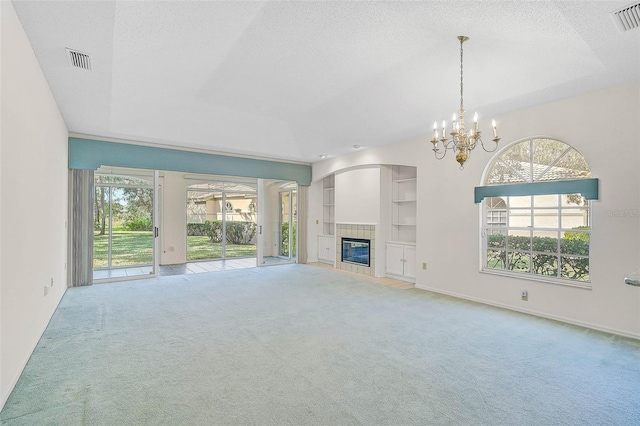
column 125, row 237
column 288, row 223
column 277, row 222
column 222, row 219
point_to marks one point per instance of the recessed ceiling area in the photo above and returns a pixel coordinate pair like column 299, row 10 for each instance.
column 296, row 80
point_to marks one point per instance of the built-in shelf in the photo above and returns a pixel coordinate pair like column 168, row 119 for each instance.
column 401, row 248
column 404, row 193
column 328, row 205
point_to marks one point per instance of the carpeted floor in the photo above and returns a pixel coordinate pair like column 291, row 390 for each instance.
column 299, row 345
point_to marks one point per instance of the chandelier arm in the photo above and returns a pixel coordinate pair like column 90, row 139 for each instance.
column 490, row 150
column 451, row 144
column 436, row 151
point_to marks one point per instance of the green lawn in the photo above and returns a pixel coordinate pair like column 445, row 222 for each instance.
column 201, row 248
column 129, row 248
column 136, row 248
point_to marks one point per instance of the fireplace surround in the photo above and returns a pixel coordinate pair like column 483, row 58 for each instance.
column 356, row 233
column 356, row 250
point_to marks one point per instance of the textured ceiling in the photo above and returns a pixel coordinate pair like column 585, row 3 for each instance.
column 293, row 80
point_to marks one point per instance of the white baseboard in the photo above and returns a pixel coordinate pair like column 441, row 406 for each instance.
column 400, row 277
column 533, row 312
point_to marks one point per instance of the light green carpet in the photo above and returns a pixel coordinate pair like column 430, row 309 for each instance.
column 299, row 345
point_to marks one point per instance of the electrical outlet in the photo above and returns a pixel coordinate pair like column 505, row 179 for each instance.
column 525, row 295
column 48, row 286
column 424, row 265
column 317, row 222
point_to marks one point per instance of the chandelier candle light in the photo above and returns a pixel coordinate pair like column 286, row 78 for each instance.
column 461, row 140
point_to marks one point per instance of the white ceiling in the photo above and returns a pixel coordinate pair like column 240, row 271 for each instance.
column 293, row 80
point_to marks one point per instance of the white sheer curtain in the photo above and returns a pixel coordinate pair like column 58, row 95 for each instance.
column 81, row 248
column 303, row 213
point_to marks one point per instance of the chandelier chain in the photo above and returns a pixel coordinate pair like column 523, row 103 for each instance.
column 461, row 73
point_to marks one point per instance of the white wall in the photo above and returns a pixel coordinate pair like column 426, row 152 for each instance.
column 357, row 196
column 269, row 216
column 383, row 231
column 174, row 219
column 33, row 213
column 604, row 127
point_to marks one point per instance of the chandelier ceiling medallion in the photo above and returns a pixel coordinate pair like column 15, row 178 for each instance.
column 462, row 141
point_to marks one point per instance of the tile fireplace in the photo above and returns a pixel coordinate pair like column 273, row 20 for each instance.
column 356, row 247
column 356, row 250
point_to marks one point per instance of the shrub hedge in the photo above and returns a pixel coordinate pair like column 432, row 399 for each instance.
column 196, row 229
column 520, row 258
column 237, row 232
column 142, row 224
column 285, row 239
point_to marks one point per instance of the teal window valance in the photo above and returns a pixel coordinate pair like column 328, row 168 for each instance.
column 90, row 154
column 588, row 188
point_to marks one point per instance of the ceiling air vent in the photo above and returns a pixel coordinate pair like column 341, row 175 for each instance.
column 78, row 59
column 627, row 18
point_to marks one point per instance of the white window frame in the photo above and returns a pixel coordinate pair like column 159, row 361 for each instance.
column 488, row 227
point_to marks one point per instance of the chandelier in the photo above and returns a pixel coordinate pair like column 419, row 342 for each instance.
column 461, row 140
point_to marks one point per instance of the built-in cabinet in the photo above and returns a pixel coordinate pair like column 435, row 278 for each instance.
column 401, row 261
column 395, row 220
column 401, row 248
column 326, row 249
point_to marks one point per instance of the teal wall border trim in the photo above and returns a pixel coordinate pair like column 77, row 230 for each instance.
column 587, row 187
column 91, row 154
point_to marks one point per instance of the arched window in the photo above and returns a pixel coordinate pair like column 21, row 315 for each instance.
column 534, row 221
column 537, row 160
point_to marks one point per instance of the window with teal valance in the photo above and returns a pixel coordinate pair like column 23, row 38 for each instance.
column 588, row 188
column 536, row 208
